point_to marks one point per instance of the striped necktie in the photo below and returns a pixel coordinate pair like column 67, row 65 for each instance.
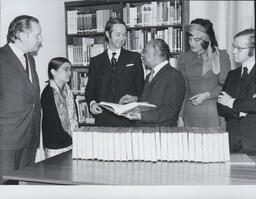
column 151, row 75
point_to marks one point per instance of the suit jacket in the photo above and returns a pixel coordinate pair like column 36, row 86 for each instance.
column 166, row 90
column 241, row 126
column 107, row 84
column 19, row 101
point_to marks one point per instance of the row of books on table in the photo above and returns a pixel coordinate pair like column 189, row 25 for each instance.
column 151, row 144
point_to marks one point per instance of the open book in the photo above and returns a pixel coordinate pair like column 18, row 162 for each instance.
column 122, row 109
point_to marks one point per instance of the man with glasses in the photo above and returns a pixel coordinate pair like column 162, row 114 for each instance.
column 237, row 101
column 116, row 76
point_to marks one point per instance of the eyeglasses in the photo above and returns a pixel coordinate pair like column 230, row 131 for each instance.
column 239, row 48
column 195, row 39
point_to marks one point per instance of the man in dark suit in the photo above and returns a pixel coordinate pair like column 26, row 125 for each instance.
column 164, row 87
column 115, row 76
column 237, row 101
column 19, row 94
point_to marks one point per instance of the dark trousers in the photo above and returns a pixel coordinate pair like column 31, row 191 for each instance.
column 15, row 159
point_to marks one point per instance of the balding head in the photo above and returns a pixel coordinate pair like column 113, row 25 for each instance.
column 155, row 52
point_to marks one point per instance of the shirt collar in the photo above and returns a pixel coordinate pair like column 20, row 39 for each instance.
column 18, row 52
column 116, row 55
column 158, row 67
column 249, row 63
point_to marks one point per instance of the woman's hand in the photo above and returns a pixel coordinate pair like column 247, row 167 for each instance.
column 199, row 98
column 180, row 122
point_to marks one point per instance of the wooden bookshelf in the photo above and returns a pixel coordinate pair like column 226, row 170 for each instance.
column 85, row 38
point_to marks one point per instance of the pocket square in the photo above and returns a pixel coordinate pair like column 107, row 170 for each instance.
column 127, row 65
column 254, row 96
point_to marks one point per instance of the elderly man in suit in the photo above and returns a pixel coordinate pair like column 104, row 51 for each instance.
column 19, row 94
column 115, row 76
column 237, row 101
column 164, row 87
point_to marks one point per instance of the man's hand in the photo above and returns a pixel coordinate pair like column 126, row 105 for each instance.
column 225, row 99
column 95, row 108
column 128, row 99
column 199, row 98
column 180, row 122
column 133, row 116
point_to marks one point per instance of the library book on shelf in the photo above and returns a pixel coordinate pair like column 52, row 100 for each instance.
column 122, row 109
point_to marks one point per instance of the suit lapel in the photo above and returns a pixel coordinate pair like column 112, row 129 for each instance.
column 159, row 74
column 106, row 59
column 251, row 77
column 148, row 84
column 15, row 63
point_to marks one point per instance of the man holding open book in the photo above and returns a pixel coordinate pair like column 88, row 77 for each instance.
column 115, row 76
column 164, row 87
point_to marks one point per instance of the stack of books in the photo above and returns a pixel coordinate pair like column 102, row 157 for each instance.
column 207, row 145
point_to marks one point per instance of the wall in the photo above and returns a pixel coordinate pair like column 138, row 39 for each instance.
column 228, row 18
column 51, row 16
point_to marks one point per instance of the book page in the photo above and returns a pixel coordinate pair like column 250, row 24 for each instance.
column 121, row 109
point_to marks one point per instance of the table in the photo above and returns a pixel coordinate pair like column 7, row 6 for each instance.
column 62, row 169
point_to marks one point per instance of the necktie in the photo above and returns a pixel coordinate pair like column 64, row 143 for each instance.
column 151, row 75
column 113, row 60
column 242, row 81
column 27, row 65
column 244, row 76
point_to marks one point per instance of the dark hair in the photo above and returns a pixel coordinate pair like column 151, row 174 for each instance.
column 21, row 23
column 110, row 23
column 251, row 39
column 55, row 63
column 160, row 46
column 207, row 24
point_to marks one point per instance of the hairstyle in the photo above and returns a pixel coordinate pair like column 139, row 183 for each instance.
column 21, row 23
column 55, row 63
column 110, row 23
column 161, row 47
column 207, row 24
column 251, row 39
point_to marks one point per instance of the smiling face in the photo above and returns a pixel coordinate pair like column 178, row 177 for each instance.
column 117, row 37
column 241, row 49
column 63, row 73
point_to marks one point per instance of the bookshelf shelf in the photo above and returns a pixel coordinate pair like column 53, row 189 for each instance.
column 145, row 19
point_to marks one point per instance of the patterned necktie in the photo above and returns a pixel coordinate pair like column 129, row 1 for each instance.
column 151, row 75
column 245, row 74
column 27, row 65
column 113, row 60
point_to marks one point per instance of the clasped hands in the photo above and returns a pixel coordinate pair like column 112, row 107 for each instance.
column 225, row 99
column 96, row 109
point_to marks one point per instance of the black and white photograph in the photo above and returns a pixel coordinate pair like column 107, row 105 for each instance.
column 129, row 99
